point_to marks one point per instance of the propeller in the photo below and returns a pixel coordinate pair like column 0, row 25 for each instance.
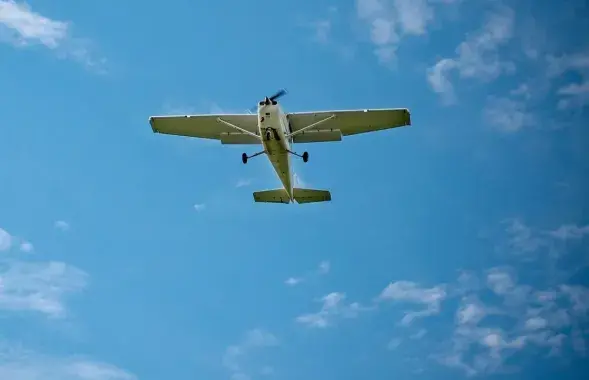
column 272, row 98
column 278, row 95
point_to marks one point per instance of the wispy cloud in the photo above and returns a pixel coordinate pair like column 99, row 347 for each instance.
column 322, row 269
column 389, row 21
column 507, row 114
column 38, row 286
column 26, row 246
column 243, row 182
column 21, row 26
column 199, row 207
column 292, row 281
column 333, row 306
column 477, row 57
column 236, row 354
column 575, row 94
column 5, row 240
column 498, row 312
column 62, row 225
column 19, row 364
column 408, row 291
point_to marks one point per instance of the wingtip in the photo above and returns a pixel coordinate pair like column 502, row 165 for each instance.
column 152, row 125
column 408, row 116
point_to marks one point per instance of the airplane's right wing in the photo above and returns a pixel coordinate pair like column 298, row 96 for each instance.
column 229, row 129
column 332, row 125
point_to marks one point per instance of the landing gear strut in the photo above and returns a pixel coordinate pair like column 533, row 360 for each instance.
column 245, row 157
column 304, row 156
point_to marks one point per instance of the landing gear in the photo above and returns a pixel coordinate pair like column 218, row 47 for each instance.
column 245, row 157
column 304, row 156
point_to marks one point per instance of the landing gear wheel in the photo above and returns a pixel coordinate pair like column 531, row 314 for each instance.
column 305, row 157
column 268, row 135
column 244, row 158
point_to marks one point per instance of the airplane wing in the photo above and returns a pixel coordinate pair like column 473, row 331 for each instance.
column 344, row 123
column 229, row 129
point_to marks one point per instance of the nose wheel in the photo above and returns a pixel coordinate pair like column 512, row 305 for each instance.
column 305, row 157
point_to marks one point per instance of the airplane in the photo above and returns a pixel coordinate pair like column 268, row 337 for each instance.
column 277, row 131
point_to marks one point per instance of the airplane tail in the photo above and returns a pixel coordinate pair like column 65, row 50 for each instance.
column 299, row 195
column 311, row 195
column 272, row 196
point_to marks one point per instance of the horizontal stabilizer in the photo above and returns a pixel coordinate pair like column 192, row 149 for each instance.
column 272, row 196
column 310, row 195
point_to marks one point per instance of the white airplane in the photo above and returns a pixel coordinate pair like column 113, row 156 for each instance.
column 276, row 131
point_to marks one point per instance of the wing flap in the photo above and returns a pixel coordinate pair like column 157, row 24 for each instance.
column 318, row 136
column 203, row 126
column 238, row 138
column 350, row 122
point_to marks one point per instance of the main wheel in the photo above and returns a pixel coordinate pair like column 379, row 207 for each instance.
column 244, row 158
column 305, row 156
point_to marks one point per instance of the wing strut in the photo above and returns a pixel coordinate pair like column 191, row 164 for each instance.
column 309, row 126
column 238, row 128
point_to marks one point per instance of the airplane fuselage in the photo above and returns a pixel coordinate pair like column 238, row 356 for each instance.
column 273, row 128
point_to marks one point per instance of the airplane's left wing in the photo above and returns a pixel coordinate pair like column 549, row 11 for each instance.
column 229, row 129
column 332, row 125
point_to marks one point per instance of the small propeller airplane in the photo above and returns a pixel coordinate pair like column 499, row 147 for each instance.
column 276, row 131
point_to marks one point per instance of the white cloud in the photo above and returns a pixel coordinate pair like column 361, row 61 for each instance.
column 333, row 306
column 199, row 206
column 570, row 232
column 236, row 354
column 243, row 182
column 476, row 57
column 16, row 364
column 38, row 287
column 62, row 225
column 536, row 323
column 26, row 246
column 507, row 115
column 324, row 267
column 389, row 20
column 525, row 312
column 576, row 94
column 409, row 291
column 413, row 15
column 500, row 281
column 21, row 26
column 30, row 27
column 521, row 238
column 5, row 240
column 292, row 281
column 470, row 313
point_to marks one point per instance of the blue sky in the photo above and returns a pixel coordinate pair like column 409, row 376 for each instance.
column 453, row 248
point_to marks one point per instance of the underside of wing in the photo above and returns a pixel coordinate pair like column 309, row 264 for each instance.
column 229, row 129
column 331, row 125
